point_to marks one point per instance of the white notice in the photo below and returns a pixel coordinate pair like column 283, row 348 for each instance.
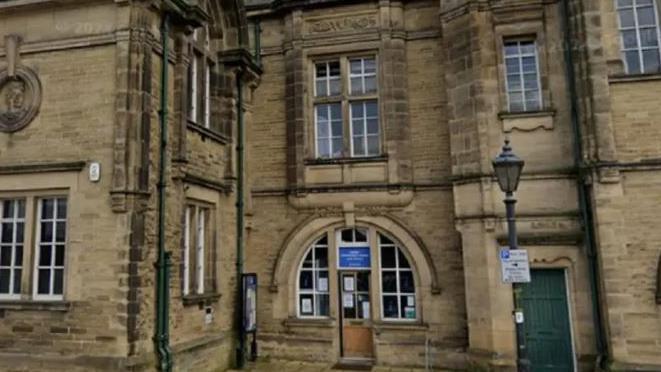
column 366, row 310
column 306, row 306
column 410, row 301
column 348, row 283
column 518, row 317
column 514, row 265
column 347, row 300
column 323, row 284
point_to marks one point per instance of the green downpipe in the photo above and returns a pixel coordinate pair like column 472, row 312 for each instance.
column 584, row 191
column 240, row 351
column 162, row 337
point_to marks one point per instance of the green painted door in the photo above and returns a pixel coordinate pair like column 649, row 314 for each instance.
column 547, row 326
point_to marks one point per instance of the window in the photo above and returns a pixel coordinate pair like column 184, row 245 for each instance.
column 11, row 247
column 51, row 239
column 199, row 253
column 640, row 35
column 199, row 84
column 313, row 292
column 522, row 76
column 398, row 299
column 346, row 102
column 193, row 94
column 49, row 223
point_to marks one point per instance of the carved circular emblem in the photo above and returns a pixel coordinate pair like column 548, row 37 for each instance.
column 20, row 98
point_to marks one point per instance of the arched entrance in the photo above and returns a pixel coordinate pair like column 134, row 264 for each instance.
column 359, row 277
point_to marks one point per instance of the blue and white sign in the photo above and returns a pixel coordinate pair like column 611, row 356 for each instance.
column 514, row 265
column 354, row 258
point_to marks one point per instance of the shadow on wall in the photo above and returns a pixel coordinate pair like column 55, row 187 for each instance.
column 658, row 282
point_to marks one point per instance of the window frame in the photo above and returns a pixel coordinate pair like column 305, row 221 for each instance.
column 398, row 248
column 519, row 56
column 314, row 292
column 15, row 220
column 200, row 81
column 37, row 242
column 639, row 49
column 199, row 260
column 345, row 98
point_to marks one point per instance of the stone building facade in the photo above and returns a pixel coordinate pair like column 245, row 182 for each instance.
column 372, row 217
column 85, row 105
column 379, row 119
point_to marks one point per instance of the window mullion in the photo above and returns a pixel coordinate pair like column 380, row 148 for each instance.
column 12, row 248
column 207, row 94
column 521, row 79
column 186, row 276
column 655, row 8
column 638, row 39
column 327, row 80
column 200, row 250
column 362, row 76
column 329, row 126
column 365, row 149
column 347, row 141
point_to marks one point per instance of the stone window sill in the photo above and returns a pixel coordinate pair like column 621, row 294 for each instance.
column 208, row 133
column 200, row 299
column 627, row 78
column 527, row 121
column 310, row 322
column 365, row 159
column 28, row 305
column 401, row 326
column 526, row 114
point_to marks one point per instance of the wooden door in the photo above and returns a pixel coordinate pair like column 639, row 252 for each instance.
column 356, row 313
column 547, row 324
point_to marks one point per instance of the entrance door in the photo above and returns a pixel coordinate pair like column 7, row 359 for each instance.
column 356, row 315
column 547, row 325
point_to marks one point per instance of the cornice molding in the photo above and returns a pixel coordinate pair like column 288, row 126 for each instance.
column 74, row 166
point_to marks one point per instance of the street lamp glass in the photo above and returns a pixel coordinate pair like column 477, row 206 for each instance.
column 508, row 169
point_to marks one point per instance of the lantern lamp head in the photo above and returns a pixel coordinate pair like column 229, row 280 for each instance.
column 508, row 169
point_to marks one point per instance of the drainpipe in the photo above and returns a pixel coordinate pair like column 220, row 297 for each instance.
column 584, row 192
column 240, row 358
column 161, row 337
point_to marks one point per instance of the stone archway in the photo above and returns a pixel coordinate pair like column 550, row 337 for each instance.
column 292, row 250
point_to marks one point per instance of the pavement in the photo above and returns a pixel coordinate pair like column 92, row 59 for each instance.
column 297, row 366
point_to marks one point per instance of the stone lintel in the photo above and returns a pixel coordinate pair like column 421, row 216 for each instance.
column 74, row 166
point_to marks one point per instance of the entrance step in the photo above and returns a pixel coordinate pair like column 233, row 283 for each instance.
column 354, row 364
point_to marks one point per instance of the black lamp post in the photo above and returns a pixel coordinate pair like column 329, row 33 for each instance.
column 508, row 169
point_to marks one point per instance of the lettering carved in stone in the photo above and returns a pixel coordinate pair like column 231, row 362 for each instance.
column 347, row 23
column 20, row 91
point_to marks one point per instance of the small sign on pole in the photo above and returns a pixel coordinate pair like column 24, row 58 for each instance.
column 514, row 265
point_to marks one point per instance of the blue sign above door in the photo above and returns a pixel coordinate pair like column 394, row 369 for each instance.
column 354, row 258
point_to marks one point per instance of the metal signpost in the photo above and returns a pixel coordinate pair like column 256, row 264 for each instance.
column 515, row 268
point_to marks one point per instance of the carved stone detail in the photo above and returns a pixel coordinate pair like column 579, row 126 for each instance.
column 20, row 91
column 343, row 23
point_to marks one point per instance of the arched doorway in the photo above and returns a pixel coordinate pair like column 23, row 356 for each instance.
column 360, row 276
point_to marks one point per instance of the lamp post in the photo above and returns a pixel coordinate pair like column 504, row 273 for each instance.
column 508, row 169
